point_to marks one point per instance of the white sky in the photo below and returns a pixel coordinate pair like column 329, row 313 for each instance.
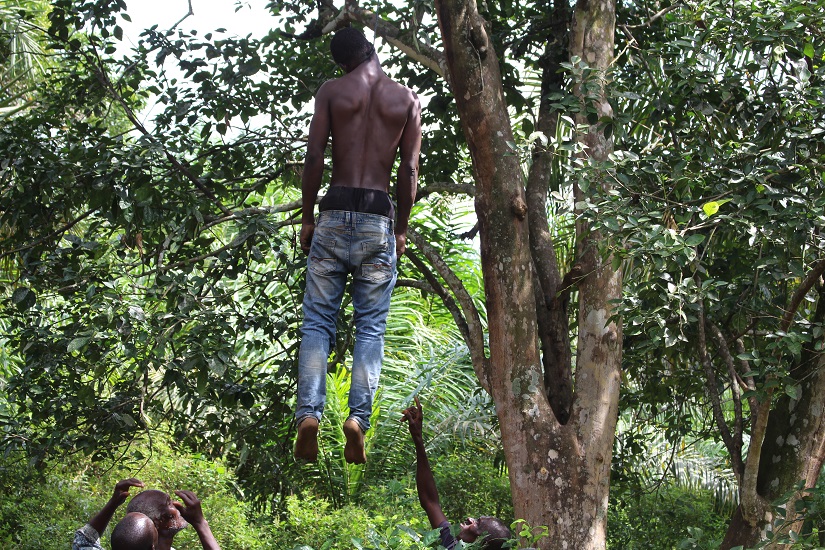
column 253, row 18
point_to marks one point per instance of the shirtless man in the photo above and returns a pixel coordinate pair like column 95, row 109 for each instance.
column 370, row 118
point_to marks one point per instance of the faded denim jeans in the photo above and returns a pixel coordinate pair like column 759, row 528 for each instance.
column 346, row 243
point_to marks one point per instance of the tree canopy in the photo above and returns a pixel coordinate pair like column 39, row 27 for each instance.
column 649, row 204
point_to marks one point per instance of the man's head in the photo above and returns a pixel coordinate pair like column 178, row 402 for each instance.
column 134, row 532
column 158, row 506
column 494, row 531
column 350, row 48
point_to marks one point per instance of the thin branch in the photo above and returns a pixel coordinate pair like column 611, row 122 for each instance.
column 446, row 187
column 653, row 18
column 190, row 12
column 234, row 244
column 414, row 283
column 727, row 357
column 443, row 293
column 103, row 78
column 255, row 211
column 711, row 383
column 475, row 331
column 50, row 235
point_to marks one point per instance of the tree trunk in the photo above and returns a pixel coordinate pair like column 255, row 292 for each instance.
column 793, row 449
column 559, row 474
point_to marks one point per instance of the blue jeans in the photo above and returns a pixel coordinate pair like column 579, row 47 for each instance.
column 346, row 243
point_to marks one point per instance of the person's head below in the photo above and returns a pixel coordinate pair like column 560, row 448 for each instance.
column 350, row 48
column 134, row 532
column 158, row 506
column 494, row 531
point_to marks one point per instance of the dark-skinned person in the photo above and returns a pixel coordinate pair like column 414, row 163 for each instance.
column 490, row 531
column 359, row 233
column 170, row 517
column 134, row 532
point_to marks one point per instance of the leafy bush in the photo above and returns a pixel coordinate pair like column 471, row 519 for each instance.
column 36, row 510
column 41, row 508
column 470, row 485
column 663, row 519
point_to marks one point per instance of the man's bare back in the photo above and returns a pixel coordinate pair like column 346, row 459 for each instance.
column 370, row 118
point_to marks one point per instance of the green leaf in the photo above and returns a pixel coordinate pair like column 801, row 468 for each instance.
column 809, row 50
column 78, row 343
column 694, row 239
column 712, row 207
column 19, row 295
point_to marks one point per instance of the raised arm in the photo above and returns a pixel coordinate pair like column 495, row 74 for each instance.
column 319, row 130
column 192, row 512
column 100, row 520
column 424, row 480
column 409, row 149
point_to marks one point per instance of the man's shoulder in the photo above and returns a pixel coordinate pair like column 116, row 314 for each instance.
column 403, row 90
column 86, row 538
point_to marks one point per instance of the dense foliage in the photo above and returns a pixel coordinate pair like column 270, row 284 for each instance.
column 150, row 281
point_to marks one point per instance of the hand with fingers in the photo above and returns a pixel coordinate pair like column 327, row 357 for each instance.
column 414, row 418
column 100, row 520
column 191, row 510
column 307, row 231
column 121, row 492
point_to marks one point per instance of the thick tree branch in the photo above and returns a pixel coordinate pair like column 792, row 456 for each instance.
column 551, row 309
column 475, row 330
column 753, row 505
column 450, row 188
column 801, row 291
column 422, row 53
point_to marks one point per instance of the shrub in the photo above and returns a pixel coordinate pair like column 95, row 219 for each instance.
column 41, row 508
column 661, row 520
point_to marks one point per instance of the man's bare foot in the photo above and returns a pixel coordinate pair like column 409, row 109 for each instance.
column 354, row 452
column 306, row 444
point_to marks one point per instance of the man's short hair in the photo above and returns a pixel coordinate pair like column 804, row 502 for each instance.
column 158, row 506
column 497, row 532
column 350, row 48
column 134, row 532
column 152, row 503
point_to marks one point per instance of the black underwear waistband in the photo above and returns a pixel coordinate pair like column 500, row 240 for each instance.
column 357, row 199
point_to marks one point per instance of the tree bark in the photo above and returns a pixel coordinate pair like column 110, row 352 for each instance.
column 793, row 449
column 551, row 300
column 559, row 474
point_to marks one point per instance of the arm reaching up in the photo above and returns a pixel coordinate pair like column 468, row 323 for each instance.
column 192, row 512
column 89, row 535
column 424, row 480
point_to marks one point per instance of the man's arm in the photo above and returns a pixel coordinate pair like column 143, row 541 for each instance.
column 101, row 520
column 319, row 130
column 409, row 148
column 424, row 480
column 193, row 513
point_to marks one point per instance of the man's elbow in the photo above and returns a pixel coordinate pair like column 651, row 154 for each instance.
column 313, row 158
column 408, row 171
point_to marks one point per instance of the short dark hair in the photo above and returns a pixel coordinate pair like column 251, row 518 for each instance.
column 495, row 532
column 349, row 47
column 134, row 532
